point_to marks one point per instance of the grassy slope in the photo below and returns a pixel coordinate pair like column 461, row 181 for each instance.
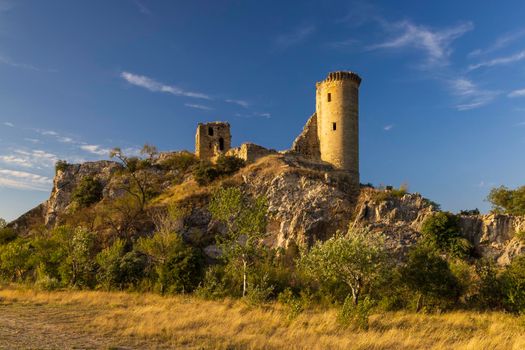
column 111, row 320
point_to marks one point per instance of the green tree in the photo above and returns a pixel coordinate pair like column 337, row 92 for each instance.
column 177, row 265
column 109, row 261
column 428, row 275
column 15, row 260
column 508, row 201
column 3, row 223
column 139, row 186
column 77, row 268
column 513, row 279
column 443, row 231
column 245, row 220
column 357, row 259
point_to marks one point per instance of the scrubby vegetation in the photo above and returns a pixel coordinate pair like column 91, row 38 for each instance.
column 207, row 172
column 508, row 201
column 88, row 192
column 136, row 242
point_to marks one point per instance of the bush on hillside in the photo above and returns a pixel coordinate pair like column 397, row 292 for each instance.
column 61, row 165
column 429, row 278
column 513, row 282
column 88, row 192
column 7, row 235
column 207, row 172
column 180, row 161
column 442, row 231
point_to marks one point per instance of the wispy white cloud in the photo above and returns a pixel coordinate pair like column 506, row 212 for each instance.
column 254, row 115
column 263, row 114
column 196, row 106
column 155, row 86
column 29, row 158
column 436, row 44
column 501, row 42
column 9, row 62
column 95, row 149
column 470, row 95
column 517, row 93
column 241, row 103
column 142, row 8
column 388, row 127
column 65, row 139
column 24, row 180
column 11, row 125
column 47, row 132
column 297, row 36
column 519, row 56
column 32, row 140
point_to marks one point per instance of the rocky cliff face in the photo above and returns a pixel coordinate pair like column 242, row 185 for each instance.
column 400, row 219
column 66, row 180
column 307, row 201
column 64, row 183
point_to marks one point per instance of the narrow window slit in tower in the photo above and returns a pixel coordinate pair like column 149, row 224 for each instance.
column 334, row 126
column 210, row 131
column 221, row 144
column 330, row 98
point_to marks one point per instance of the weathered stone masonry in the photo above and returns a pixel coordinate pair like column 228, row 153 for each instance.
column 330, row 135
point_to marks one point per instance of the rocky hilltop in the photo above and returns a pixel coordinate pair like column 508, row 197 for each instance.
column 307, row 201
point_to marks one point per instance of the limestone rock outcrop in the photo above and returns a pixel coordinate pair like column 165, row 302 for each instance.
column 308, row 201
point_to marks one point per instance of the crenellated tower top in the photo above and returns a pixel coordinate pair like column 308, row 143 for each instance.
column 342, row 75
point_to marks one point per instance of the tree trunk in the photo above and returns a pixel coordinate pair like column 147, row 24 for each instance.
column 419, row 302
column 355, row 295
column 244, row 277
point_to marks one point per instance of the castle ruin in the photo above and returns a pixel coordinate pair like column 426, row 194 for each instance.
column 212, row 140
column 330, row 135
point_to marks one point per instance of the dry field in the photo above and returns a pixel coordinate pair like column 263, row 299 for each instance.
column 99, row 320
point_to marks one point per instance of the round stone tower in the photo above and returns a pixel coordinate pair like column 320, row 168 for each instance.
column 337, row 107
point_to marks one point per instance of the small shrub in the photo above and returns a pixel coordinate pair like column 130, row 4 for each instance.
column 213, row 286
column 88, row 192
column 520, row 235
column 61, row 165
column 205, row 173
column 389, row 193
column 353, row 315
column 45, row 282
column 228, row 165
column 259, row 291
column 471, row 212
column 7, row 235
column 180, row 161
column 295, row 305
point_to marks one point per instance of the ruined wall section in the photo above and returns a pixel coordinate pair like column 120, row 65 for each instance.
column 212, row 140
column 307, row 143
column 250, row 152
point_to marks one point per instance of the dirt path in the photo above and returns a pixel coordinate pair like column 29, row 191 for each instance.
column 33, row 326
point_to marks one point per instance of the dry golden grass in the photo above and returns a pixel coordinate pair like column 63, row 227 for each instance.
column 191, row 323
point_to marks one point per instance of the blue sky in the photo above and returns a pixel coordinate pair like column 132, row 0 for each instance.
column 442, row 100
